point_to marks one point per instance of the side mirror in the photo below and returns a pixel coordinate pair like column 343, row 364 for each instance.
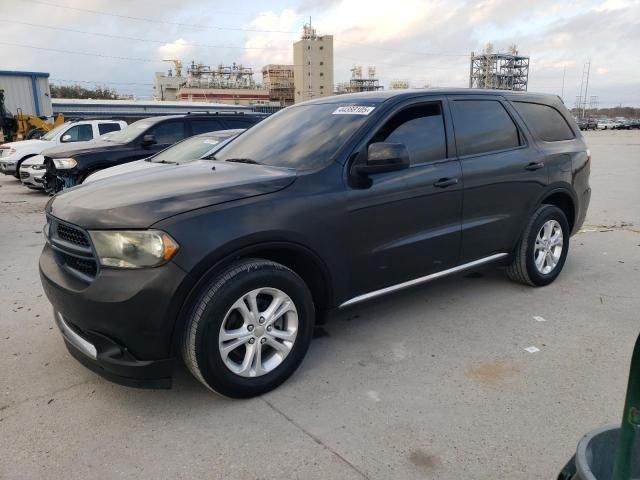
column 384, row 157
column 149, row 140
column 65, row 138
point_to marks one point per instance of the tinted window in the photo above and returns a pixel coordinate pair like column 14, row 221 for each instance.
column 168, row 132
column 78, row 133
column 191, row 148
column 421, row 130
column 546, row 122
column 241, row 122
column 304, row 137
column 108, row 127
column 205, row 125
column 483, row 126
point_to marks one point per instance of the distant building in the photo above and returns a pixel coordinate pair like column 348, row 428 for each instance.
column 358, row 83
column 167, row 85
column 229, row 96
column 313, row 65
column 399, row 84
column 27, row 91
column 278, row 80
column 501, row 71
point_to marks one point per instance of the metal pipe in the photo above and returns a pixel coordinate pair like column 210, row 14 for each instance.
column 630, row 420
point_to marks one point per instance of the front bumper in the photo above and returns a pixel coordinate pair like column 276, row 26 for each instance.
column 127, row 316
column 111, row 361
column 8, row 167
column 31, row 177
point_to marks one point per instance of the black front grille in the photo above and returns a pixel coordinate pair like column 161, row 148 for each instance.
column 72, row 235
column 82, row 265
column 73, row 249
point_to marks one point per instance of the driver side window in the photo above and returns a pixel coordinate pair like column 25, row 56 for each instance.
column 420, row 129
column 77, row 133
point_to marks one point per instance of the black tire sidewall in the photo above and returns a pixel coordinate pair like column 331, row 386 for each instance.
column 549, row 213
column 210, row 363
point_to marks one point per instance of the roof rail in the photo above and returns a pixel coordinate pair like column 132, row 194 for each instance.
column 222, row 112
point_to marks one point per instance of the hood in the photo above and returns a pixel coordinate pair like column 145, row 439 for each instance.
column 91, row 146
column 129, row 168
column 139, row 201
column 28, row 144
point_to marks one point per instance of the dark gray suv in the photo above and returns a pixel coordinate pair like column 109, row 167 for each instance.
column 228, row 262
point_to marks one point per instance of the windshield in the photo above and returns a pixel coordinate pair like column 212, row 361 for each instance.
column 132, row 131
column 304, row 137
column 191, row 148
column 50, row 135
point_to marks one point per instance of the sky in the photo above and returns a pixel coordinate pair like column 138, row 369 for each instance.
column 121, row 43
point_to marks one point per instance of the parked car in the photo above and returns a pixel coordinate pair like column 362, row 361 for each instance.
column 324, row 205
column 13, row 154
column 587, row 124
column 201, row 146
column 69, row 166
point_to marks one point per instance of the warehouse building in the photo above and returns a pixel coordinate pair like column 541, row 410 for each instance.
column 313, row 65
column 27, row 92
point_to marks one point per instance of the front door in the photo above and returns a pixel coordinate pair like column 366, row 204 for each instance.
column 406, row 224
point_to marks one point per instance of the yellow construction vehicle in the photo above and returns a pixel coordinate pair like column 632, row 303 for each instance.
column 22, row 126
column 30, row 126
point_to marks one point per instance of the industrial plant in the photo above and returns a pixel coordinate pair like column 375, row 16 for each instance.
column 504, row 71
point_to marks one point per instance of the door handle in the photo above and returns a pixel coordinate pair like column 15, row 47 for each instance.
column 445, row 182
column 534, row 166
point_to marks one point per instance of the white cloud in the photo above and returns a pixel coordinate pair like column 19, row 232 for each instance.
column 176, row 49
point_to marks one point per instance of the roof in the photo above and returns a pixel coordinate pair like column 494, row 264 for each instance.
column 142, row 103
column 384, row 95
column 16, row 73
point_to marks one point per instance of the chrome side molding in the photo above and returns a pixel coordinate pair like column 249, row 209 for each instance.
column 426, row 278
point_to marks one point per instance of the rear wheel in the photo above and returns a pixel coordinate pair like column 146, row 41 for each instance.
column 250, row 329
column 543, row 248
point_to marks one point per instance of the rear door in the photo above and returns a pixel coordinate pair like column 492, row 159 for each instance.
column 406, row 224
column 503, row 173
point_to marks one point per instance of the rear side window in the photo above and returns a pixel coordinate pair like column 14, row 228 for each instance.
column 205, row 125
column 168, row 132
column 420, row 129
column 241, row 122
column 483, row 126
column 108, row 127
column 78, row 133
column 545, row 121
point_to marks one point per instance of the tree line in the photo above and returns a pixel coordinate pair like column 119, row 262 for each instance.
column 76, row 91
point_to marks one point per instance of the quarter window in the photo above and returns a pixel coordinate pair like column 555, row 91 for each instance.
column 483, row 126
column 420, row 129
column 545, row 121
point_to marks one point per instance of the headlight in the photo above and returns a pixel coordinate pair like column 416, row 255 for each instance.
column 134, row 248
column 64, row 163
column 36, row 166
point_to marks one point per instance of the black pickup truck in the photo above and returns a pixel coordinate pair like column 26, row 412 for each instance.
column 68, row 165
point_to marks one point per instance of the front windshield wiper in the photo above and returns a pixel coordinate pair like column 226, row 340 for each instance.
column 242, row 160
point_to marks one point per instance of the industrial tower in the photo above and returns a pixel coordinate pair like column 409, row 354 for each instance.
column 503, row 71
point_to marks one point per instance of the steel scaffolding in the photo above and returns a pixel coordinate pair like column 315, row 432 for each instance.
column 503, row 71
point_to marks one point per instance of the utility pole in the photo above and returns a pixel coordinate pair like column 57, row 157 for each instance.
column 586, row 88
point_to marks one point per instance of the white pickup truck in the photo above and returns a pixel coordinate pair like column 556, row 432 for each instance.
column 14, row 153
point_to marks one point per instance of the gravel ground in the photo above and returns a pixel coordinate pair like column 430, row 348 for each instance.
column 430, row 383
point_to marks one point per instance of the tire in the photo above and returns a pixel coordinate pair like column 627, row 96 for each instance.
column 523, row 268
column 216, row 310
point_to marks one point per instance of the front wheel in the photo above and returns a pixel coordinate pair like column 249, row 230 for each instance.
column 250, row 329
column 542, row 250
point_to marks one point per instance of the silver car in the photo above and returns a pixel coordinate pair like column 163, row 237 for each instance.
column 31, row 172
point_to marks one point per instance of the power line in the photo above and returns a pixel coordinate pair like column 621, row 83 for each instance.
column 80, row 53
column 150, row 20
column 123, row 37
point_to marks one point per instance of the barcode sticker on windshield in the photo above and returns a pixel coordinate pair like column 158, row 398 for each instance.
column 211, row 142
column 353, row 110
